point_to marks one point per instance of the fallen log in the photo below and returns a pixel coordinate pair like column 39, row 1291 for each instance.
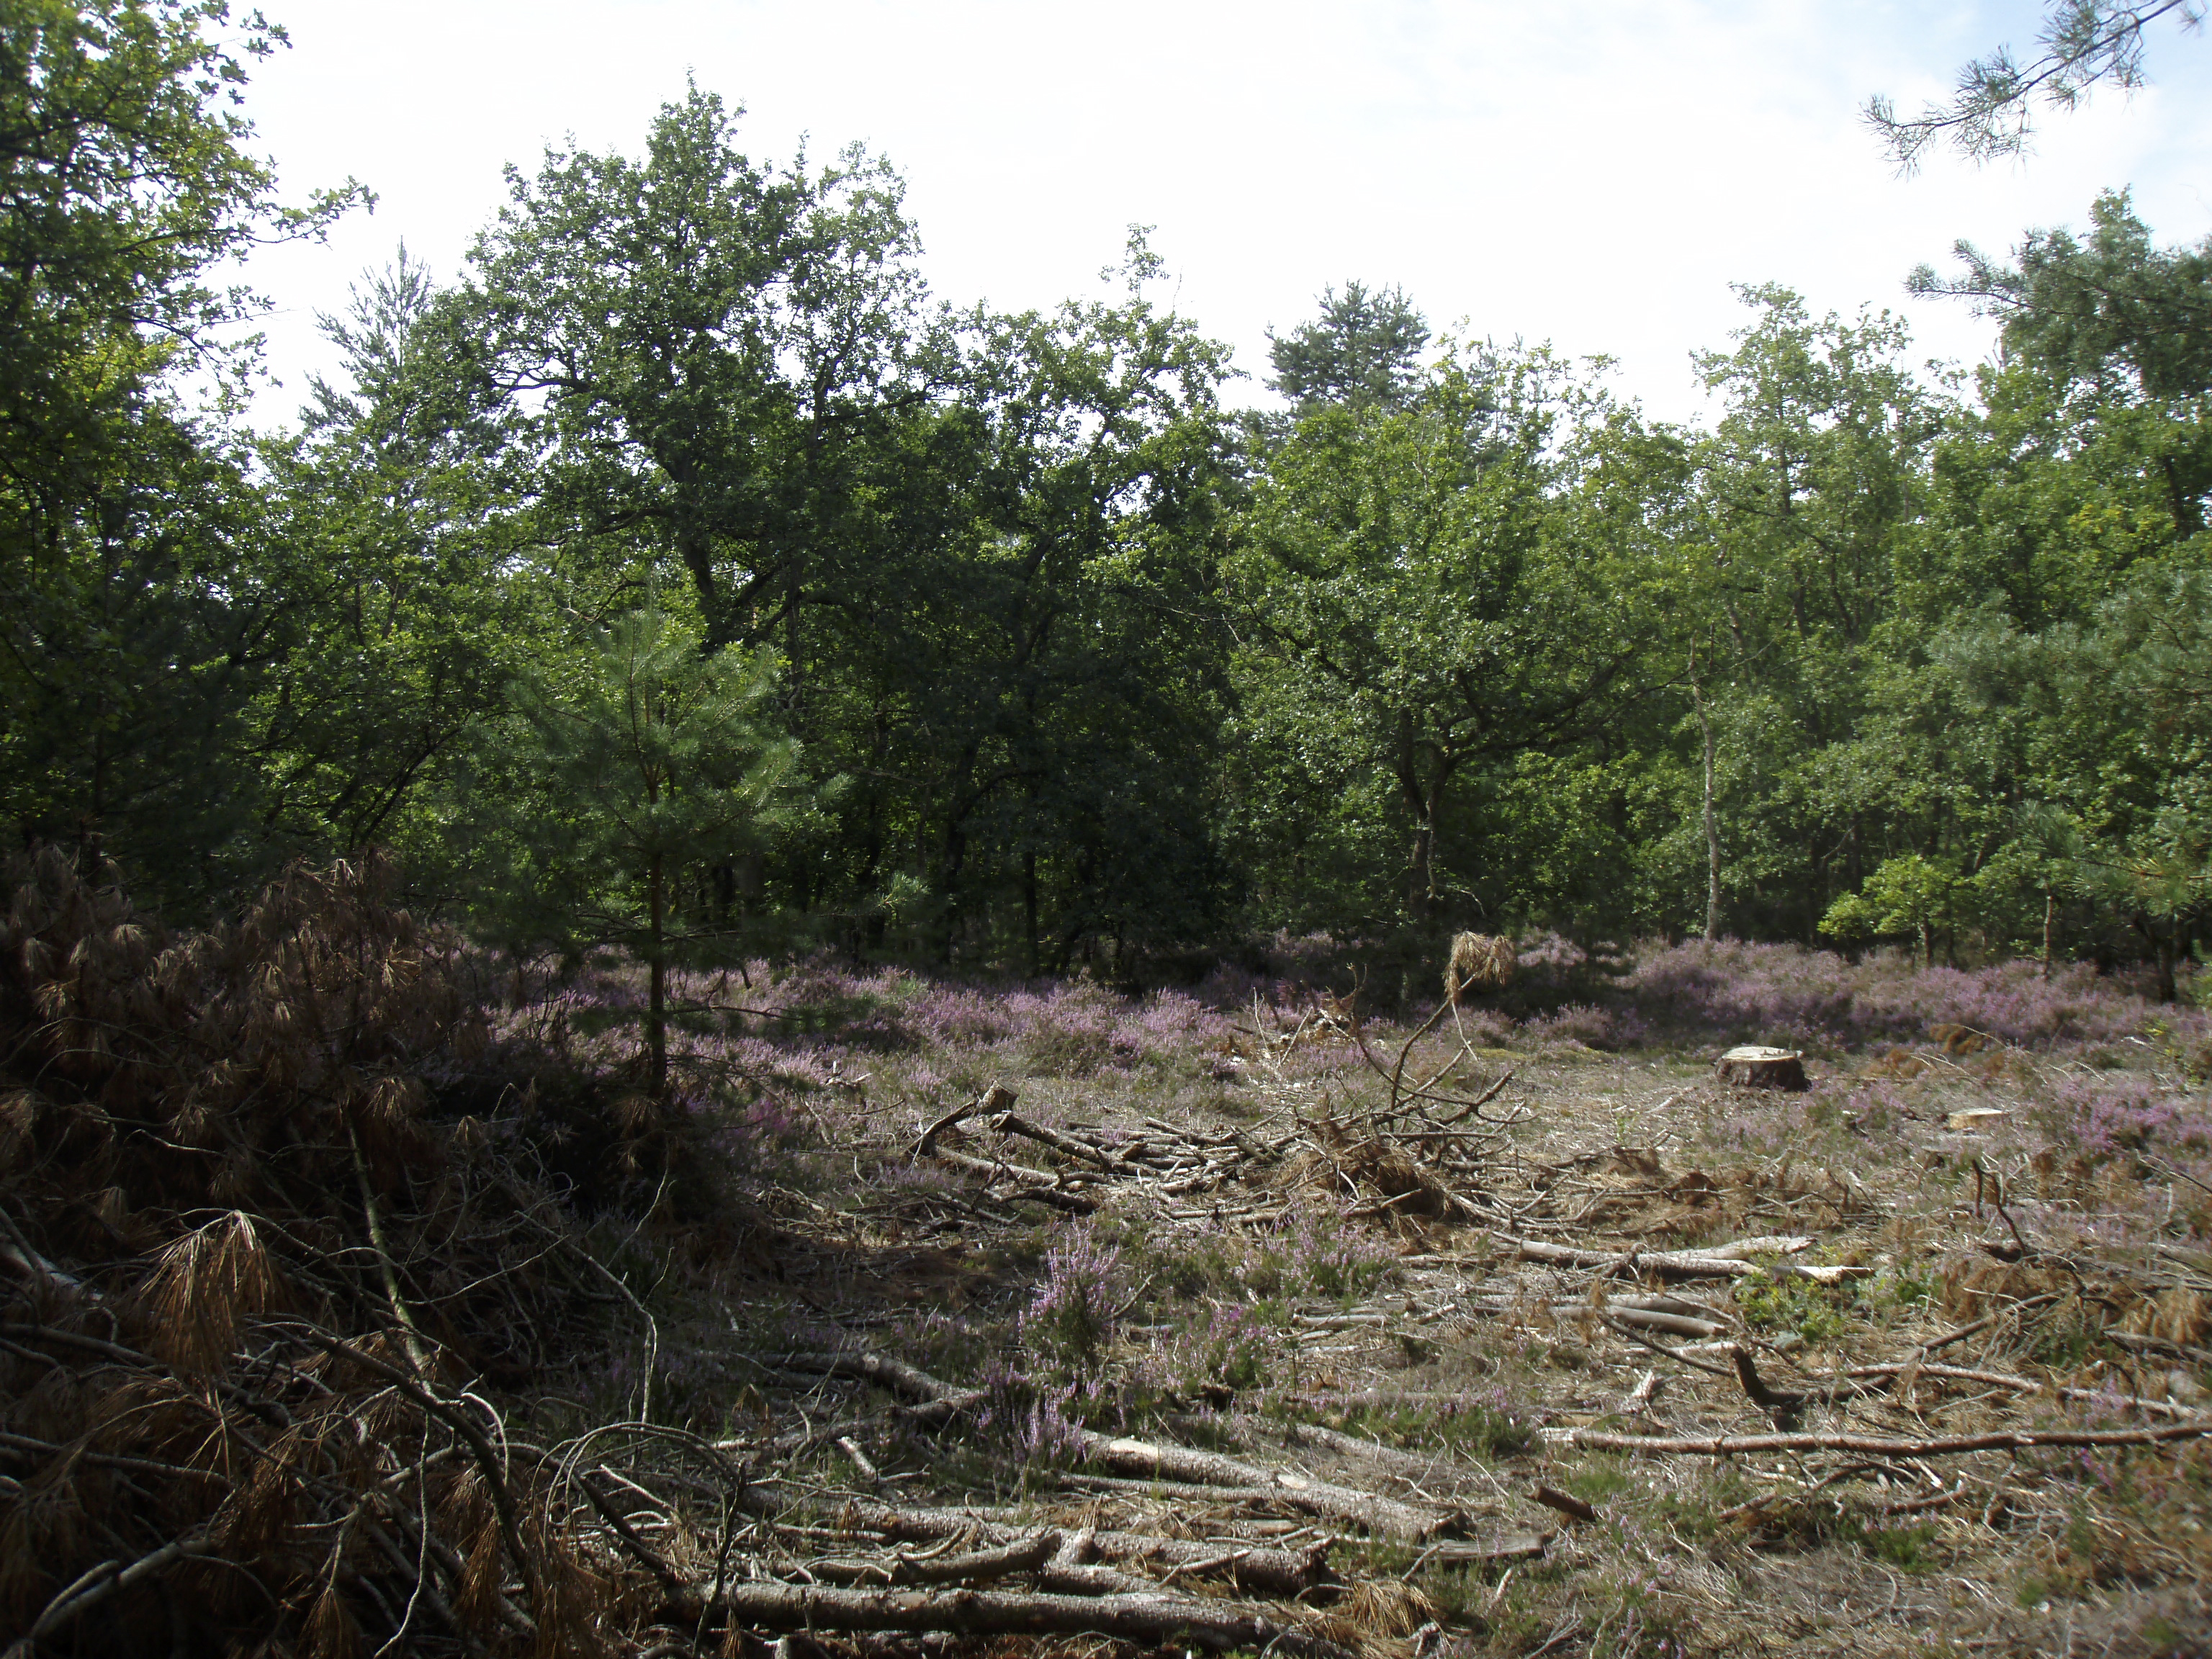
column 1155, row 1620
column 997, row 1097
column 1255, row 1570
column 1039, row 1184
column 1071, row 1571
column 1565, row 1502
column 1373, row 1513
column 1639, row 1399
column 1248, row 1430
column 1384, row 1516
column 976, row 1566
column 1512, row 1547
column 1073, row 1203
column 1675, row 1324
column 1899, row 1368
column 1721, row 1261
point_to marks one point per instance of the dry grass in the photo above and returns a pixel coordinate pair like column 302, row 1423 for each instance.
column 1478, row 960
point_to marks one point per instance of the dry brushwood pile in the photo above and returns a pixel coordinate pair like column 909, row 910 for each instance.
column 254, row 1296
column 340, row 1318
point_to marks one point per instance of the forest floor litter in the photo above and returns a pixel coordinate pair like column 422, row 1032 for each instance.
column 1295, row 1332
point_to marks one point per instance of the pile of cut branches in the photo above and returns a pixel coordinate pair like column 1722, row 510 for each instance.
column 251, row 1291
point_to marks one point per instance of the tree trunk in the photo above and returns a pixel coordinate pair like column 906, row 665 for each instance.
column 1417, row 807
column 2050, row 914
column 1756, row 1067
column 1424, row 800
column 656, row 1007
column 955, row 858
column 1420, row 881
column 1030, row 907
column 1712, row 828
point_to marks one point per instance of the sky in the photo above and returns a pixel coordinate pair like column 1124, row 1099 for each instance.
column 1596, row 177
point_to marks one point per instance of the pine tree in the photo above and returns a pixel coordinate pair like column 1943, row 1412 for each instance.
column 648, row 764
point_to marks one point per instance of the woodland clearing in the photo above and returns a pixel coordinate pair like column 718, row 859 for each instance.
column 349, row 1311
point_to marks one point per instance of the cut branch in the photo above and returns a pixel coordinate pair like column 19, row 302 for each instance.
column 1146, row 1459
column 1731, row 1445
column 1256, row 1571
column 1156, row 1621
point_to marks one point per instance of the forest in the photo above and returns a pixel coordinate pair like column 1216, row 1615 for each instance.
column 680, row 570
column 733, row 962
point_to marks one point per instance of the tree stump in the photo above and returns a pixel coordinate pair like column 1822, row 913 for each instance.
column 1763, row 1068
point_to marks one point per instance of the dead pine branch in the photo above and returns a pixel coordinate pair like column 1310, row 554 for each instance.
column 1255, row 1570
column 978, row 1566
column 1006, row 1122
column 996, row 1098
column 90, row 1589
column 937, row 1401
column 1783, row 1406
column 1674, row 1354
column 1565, row 1502
column 1731, row 1260
column 1479, row 961
column 1869, row 1445
column 1155, row 1620
column 1148, row 1460
column 488, row 1460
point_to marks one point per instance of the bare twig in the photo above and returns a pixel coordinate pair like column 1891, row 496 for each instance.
column 1883, row 1446
column 90, row 1589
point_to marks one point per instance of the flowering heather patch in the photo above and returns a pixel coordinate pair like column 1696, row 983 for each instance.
column 1331, row 1259
column 1785, row 992
column 1549, row 959
column 1234, row 1349
column 1588, row 1025
column 2125, row 1111
column 1071, row 1318
column 1486, row 1027
column 1041, row 1421
column 817, row 1030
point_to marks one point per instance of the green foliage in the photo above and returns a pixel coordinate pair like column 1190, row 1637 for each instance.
column 1112, row 671
column 1363, row 350
column 1912, row 1285
column 645, row 762
column 1909, row 895
column 1427, row 600
column 133, row 613
column 122, row 181
column 2110, row 308
column 1792, row 1306
column 981, row 542
column 407, row 610
column 1902, row 1547
column 1799, row 506
column 1597, row 1480
column 2086, row 44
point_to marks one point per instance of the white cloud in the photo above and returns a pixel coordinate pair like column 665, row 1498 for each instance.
column 1596, row 177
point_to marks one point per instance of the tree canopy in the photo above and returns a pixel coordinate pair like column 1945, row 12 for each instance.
column 1005, row 640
